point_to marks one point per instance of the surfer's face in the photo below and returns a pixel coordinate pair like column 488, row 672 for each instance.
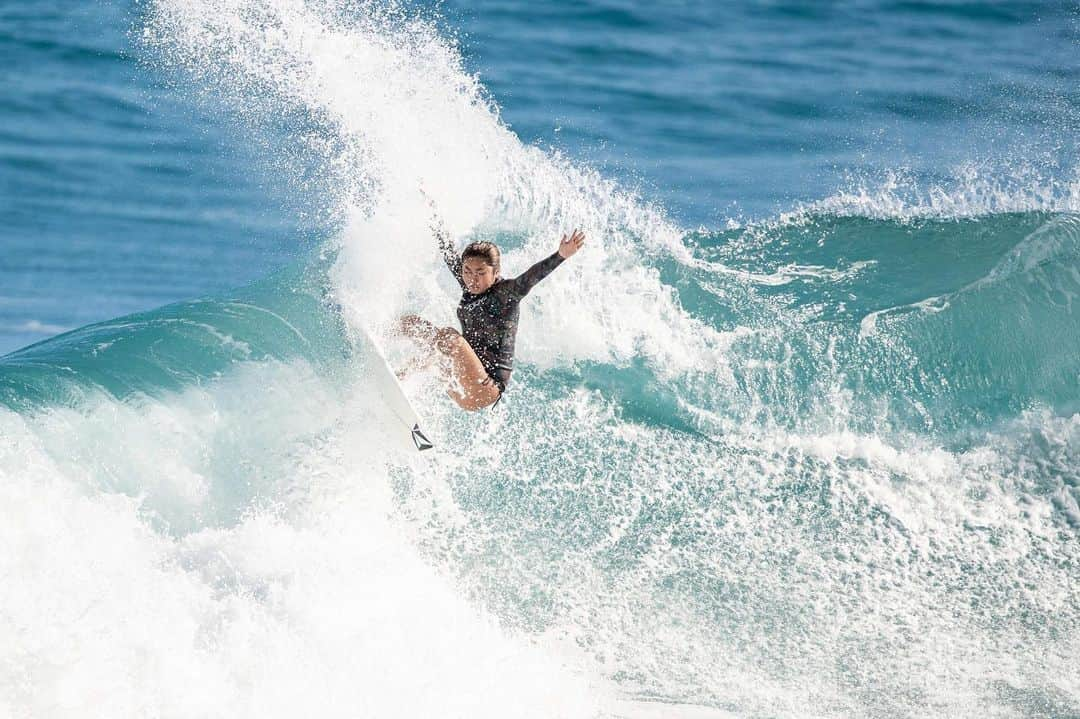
column 477, row 274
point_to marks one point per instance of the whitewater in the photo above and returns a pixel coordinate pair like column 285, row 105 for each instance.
column 824, row 463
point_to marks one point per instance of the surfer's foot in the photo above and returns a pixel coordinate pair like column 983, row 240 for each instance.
column 447, row 340
column 417, row 329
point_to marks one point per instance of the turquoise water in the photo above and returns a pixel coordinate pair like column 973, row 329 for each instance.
column 796, row 435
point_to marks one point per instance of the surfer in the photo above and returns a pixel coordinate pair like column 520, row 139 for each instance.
column 481, row 356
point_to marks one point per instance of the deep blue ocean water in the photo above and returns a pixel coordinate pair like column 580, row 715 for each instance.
column 795, row 435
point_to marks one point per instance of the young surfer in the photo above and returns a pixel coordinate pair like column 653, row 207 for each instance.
column 482, row 355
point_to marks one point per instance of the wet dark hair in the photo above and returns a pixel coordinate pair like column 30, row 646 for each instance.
column 486, row 251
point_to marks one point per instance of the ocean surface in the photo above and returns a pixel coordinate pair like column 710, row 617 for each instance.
column 796, row 434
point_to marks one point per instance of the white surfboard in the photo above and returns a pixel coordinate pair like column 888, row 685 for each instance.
column 404, row 420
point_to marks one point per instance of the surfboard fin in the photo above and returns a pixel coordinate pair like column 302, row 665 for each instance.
column 419, row 439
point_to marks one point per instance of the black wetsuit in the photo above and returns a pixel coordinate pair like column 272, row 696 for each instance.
column 489, row 320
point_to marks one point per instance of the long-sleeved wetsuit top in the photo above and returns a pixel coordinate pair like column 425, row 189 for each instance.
column 489, row 320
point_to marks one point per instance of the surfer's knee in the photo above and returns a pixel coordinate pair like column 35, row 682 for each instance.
column 464, row 403
column 470, row 403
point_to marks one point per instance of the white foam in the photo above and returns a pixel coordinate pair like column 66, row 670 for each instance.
column 145, row 575
column 37, row 327
column 972, row 191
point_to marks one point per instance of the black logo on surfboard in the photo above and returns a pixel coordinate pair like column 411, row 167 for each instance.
column 419, row 439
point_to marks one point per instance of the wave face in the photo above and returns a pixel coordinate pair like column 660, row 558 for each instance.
column 818, row 464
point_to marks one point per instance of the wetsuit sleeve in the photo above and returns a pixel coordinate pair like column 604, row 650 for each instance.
column 450, row 255
column 528, row 279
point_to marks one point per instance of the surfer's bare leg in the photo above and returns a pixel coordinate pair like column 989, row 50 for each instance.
column 473, row 388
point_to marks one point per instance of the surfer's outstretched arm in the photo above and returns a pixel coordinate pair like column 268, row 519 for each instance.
column 530, row 277
column 451, row 256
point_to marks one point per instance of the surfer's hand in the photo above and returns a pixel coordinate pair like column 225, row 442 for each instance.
column 570, row 245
